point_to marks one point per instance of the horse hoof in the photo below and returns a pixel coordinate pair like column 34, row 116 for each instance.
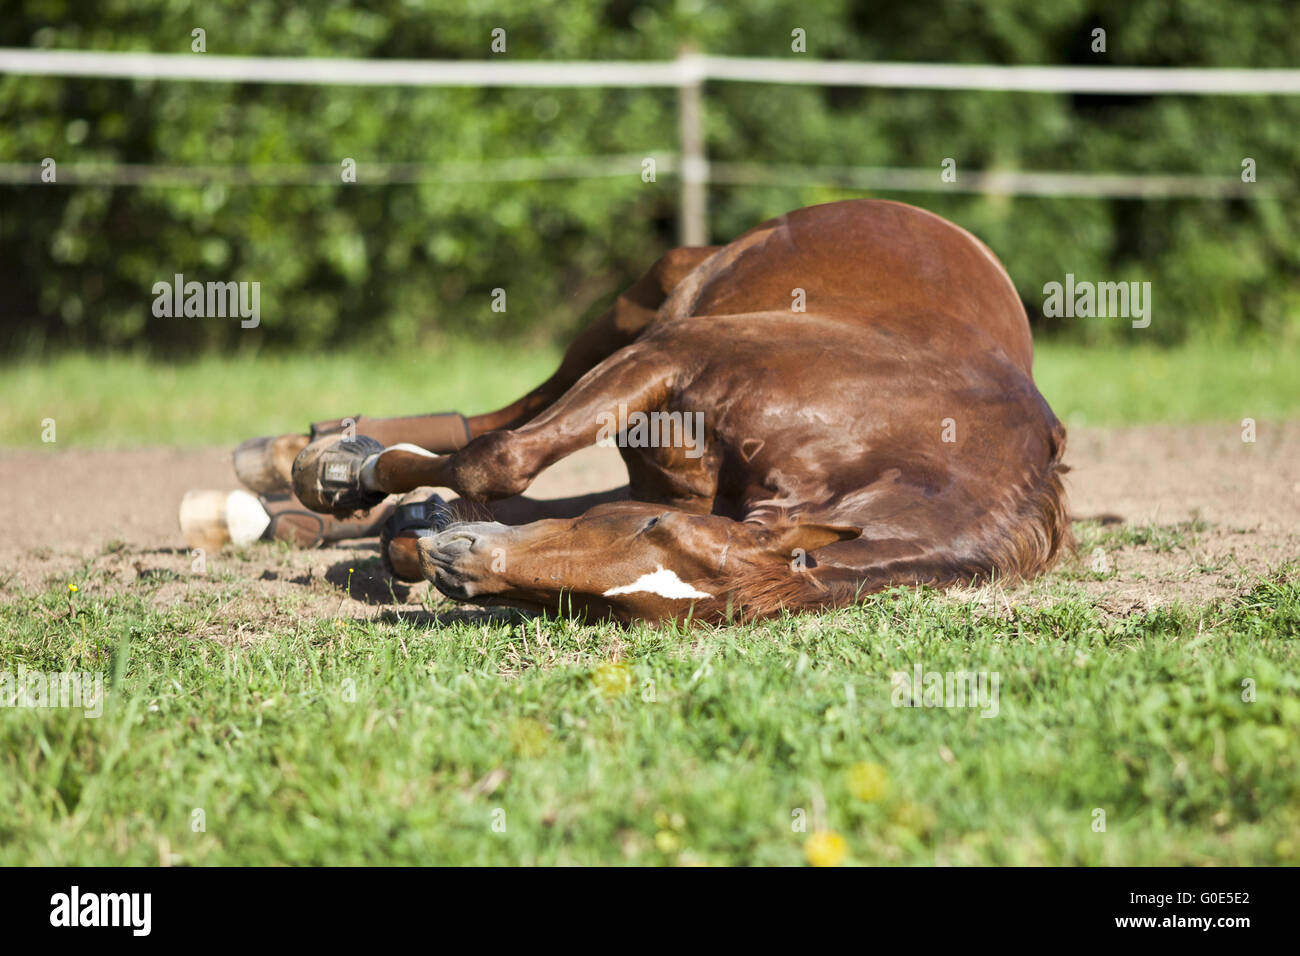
column 418, row 514
column 212, row 519
column 327, row 475
column 265, row 465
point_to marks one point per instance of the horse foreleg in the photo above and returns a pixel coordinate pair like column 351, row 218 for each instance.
column 617, row 327
column 265, row 464
column 614, row 329
column 503, row 463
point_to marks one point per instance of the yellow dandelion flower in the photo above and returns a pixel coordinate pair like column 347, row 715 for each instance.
column 868, row 781
column 612, row 678
column 825, row 848
column 669, row 821
column 666, row 841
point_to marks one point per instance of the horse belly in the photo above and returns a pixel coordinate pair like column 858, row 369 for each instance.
column 861, row 260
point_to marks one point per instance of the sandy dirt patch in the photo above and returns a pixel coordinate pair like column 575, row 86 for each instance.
column 1192, row 514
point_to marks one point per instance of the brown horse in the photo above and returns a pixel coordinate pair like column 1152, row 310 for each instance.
column 838, row 401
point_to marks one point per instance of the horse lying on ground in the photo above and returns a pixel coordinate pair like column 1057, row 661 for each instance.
column 838, row 401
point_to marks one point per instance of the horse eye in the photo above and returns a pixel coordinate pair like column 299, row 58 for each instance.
column 649, row 524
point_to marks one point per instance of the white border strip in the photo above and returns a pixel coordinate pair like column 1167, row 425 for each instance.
column 328, row 71
column 1034, row 79
column 687, row 70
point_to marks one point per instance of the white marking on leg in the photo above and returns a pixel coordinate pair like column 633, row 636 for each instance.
column 663, row 582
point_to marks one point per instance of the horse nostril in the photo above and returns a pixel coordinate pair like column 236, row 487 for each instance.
column 464, row 537
column 455, row 542
column 649, row 524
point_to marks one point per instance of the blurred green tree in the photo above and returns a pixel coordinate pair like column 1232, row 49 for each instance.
column 404, row 261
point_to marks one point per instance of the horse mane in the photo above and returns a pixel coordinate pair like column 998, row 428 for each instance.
column 1016, row 543
column 1030, row 539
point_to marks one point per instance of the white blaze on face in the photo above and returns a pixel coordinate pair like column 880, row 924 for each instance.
column 661, row 581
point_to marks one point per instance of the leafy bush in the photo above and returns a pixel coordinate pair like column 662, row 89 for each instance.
column 398, row 263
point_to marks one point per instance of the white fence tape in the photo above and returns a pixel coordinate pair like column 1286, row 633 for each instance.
column 686, row 70
column 685, row 73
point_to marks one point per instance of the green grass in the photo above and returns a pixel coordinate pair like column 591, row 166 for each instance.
column 1196, row 382
column 1160, row 538
column 131, row 401
column 299, row 740
column 353, row 742
column 125, row 400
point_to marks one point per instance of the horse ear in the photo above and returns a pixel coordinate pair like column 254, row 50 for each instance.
column 809, row 536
